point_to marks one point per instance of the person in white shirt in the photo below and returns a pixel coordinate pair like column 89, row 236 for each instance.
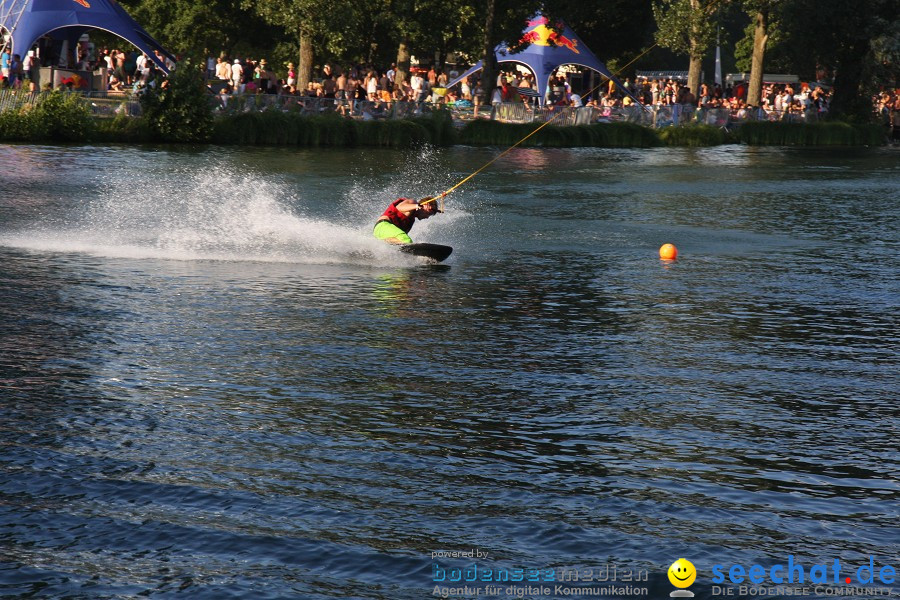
column 465, row 89
column 28, row 70
column 417, row 84
column 237, row 75
column 140, row 63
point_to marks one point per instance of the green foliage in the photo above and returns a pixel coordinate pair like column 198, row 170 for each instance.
column 391, row 134
column 179, row 110
column 778, row 47
column 765, row 133
column 274, row 127
column 440, row 128
column 189, row 27
column 694, row 136
column 684, row 26
column 62, row 116
column 611, row 29
column 55, row 116
column 122, row 129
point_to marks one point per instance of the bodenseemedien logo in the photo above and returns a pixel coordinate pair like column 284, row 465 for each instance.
column 682, row 574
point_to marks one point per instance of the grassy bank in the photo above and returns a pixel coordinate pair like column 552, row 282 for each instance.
column 608, row 135
column 60, row 117
column 763, row 133
column 293, row 129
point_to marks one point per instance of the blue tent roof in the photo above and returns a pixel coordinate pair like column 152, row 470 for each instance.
column 547, row 51
column 68, row 19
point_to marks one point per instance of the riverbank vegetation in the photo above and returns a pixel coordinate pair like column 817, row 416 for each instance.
column 607, row 135
column 61, row 117
column 833, row 133
column 180, row 112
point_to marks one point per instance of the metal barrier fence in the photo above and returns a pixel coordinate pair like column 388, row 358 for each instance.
column 650, row 116
column 16, row 99
column 101, row 104
column 362, row 109
column 112, row 104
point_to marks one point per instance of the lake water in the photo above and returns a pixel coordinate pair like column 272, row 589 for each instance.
column 216, row 384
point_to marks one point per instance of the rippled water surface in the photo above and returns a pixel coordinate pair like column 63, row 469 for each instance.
column 216, row 384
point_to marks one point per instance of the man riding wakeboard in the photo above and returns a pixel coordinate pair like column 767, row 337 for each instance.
column 394, row 224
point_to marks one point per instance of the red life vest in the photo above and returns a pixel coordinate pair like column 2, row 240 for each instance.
column 404, row 222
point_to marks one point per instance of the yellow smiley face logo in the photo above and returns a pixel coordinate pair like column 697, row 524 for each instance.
column 682, row 573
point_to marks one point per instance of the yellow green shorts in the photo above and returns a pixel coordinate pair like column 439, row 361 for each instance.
column 385, row 230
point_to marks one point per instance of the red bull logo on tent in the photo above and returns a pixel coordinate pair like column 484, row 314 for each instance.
column 542, row 35
column 84, row 3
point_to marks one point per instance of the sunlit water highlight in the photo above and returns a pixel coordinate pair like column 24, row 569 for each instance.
column 217, row 384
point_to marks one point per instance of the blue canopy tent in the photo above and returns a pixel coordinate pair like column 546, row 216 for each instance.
column 547, row 51
column 29, row 20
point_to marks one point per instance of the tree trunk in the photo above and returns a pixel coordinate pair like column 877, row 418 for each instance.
column 757, row 63
column 850, row 101
column 403, row 56
column 696, row 58
column 693, row 81
column 305, row 65
column 489, row 59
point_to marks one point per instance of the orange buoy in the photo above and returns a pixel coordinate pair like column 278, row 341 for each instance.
column 668, row 252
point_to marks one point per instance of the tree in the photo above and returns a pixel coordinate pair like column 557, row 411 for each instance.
column 760, row 11
column 613, row 29
column 685, row 26
column 846, row 39
column 503, row 23
column 309, row 22
column 411, row 24
column 180, row 109
column 186, row 27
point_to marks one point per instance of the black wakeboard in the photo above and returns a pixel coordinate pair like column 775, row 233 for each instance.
column 435, row 252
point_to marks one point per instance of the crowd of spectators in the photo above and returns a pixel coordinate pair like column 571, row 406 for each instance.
column 352, row 85
column 356, row 82
column 126, row 71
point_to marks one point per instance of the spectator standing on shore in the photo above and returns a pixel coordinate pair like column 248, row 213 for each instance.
column 329, row 85
column 140, row 63
column 28, row 70
column 371, row 84
column 895, row 117
column 223, row 69
column 342, row 86
column 4, row 65
column 261, row 76
column 508, row 93
column 417, row 84
column 291, row 75
column 704, row 94
column 465, row 90
column 237, row 76
column 384, row 88
column 15, row 72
